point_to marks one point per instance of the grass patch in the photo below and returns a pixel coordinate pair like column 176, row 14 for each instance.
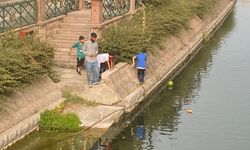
column 23, row 61
column 55, row 121
column 160, row 19
column 76, row 99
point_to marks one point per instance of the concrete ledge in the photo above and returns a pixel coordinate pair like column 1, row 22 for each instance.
column 117, row 67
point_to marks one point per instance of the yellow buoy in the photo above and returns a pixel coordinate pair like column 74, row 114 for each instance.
column 170, row 83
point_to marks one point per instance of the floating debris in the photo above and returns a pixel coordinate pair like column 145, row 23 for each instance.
column 189, row 111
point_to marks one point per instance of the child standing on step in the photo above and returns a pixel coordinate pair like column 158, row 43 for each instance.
column 141, row 65
column 79, row 54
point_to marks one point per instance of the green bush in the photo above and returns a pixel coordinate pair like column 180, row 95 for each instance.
column 53, row 120
column 160, row 19
column 23, row 61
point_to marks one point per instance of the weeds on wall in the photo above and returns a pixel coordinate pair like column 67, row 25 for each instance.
column 76, row 99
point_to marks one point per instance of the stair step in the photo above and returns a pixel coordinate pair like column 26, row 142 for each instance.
column 65, row 57
column 71, row 36
column 74, row 28
column 64, row 64
column 65, row 53
column 79, row 17
column 79, row 20
column 84, row 11
column 61, row 53
column 83, row 29
column 65, row 61
column 71, row 32
column 76, row 24
column 63, row 45
column 63, row 41
column 81, row 14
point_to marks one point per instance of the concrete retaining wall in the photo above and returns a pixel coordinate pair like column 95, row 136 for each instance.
column 20, row 114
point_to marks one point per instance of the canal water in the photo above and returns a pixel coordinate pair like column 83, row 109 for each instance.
column 215, row 86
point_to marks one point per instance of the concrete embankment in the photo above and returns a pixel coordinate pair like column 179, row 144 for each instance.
column 121, row 83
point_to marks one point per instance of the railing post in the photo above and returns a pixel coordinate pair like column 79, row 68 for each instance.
column 96, row 13
column 40, row 11
column 132, row 7
column 81, row 2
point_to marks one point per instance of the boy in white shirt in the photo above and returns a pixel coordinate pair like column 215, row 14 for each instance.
column 104, row 62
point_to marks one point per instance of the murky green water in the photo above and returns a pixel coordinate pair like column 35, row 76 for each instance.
column 215, row 86
column 58, row 141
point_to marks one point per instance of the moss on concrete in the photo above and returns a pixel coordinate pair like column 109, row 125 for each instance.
column 76, row 99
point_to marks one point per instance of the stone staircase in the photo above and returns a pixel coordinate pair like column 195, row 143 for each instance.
column 74, row 24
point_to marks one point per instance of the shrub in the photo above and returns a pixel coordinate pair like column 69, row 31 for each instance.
column 23, row 61
column 160, row 19
column 53, row 120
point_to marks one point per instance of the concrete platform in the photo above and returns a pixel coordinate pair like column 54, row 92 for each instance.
column 101, row 116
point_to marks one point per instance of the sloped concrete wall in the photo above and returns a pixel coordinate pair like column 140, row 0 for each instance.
column 20, row 114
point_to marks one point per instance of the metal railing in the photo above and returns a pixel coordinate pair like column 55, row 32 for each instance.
column 54, row 8
column 113, row 8
column 17, row 14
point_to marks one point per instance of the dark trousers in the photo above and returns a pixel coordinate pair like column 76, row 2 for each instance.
column 141, row 75
column 103, row 68
column 80, row 62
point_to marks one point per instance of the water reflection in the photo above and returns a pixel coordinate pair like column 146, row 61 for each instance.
column 58, row 141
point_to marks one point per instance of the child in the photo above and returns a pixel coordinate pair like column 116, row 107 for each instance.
column 79, row 53
column 141, row 65
column 104, row 62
